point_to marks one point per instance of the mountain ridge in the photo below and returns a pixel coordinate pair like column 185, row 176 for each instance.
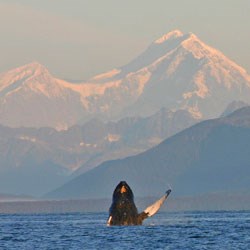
column 211, row 156
column 177, row 71
column 27, row 155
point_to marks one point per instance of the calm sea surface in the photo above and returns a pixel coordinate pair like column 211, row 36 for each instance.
column 190, row 230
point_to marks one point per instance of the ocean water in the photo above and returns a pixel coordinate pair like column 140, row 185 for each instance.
column 182, row 230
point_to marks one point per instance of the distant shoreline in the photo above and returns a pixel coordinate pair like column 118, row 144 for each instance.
column 212, row 202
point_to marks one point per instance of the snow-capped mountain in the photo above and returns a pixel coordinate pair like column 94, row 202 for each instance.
column 31, row 97
column 177, row 71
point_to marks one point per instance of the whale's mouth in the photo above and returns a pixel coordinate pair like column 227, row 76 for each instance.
column 123, row 190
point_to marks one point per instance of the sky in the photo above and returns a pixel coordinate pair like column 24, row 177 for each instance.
column 77, row 39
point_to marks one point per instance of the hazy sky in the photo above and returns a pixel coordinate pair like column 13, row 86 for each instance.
column 76, row 39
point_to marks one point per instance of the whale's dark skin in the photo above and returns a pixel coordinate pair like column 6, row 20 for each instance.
column 123, row 210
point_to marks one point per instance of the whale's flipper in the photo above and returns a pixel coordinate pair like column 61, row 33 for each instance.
column 153, row 209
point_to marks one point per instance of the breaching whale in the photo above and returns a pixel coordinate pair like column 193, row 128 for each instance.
column 123, row 210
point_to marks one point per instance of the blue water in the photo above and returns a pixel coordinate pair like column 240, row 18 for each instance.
column 190, row 230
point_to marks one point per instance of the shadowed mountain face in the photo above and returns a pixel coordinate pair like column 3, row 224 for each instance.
column 233, row 106
column 35, row 161
column 212, row 156
column 177, row 71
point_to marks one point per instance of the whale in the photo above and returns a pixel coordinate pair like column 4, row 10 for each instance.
column 123, row 211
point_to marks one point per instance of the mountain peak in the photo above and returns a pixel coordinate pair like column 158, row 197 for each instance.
column 21, row 74
column 192, row 37
column 171, row 35
column 34, row 64
column 34, row 68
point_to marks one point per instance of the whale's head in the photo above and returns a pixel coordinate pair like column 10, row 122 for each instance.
column 123, row 210
column 123, row 191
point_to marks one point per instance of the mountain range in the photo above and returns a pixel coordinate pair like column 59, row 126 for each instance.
column 210, row 157
column 177, row 71
column 33, row 161
column 53, row 131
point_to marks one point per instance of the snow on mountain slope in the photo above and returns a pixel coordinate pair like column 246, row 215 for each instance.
column 192, row 76
column 31, row 97
column 177, row 71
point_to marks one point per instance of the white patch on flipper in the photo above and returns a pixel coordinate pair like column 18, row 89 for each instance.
column 109, row 221
column 151, row 210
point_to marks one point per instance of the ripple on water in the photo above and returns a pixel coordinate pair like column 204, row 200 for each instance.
column 193, row 230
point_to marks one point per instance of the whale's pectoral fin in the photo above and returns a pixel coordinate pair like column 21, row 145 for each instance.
column 109, row 222
column 153, row 209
